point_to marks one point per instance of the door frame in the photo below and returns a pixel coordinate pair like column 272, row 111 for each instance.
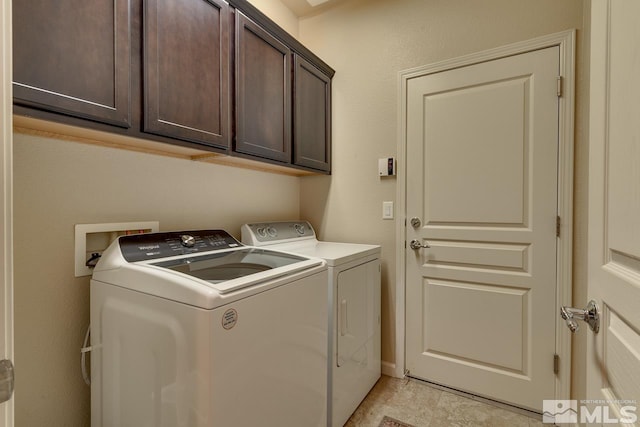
column 6, row 185
column 565, row 40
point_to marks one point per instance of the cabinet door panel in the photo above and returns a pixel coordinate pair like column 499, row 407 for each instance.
column 312, row 117
column 263, row 93
column 186, row 70
column 73, row 57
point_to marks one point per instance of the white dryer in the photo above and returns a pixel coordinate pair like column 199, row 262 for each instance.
column 354, row 304
column 194, row 329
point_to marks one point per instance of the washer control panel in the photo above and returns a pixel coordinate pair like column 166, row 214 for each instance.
column 141, row 247
column 276, row 232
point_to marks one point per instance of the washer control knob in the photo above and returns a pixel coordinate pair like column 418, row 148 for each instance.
column 300, row 228
column 187, row 240
column 261, row 232
column 272, row 232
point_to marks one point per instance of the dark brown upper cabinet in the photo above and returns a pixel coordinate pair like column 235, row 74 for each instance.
column 186, row 70
column 73, row 57
column 263, row 93
column 312, row 116
column 208, row 75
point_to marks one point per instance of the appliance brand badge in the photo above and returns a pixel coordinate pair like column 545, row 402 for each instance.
column 148, row 247
column 229, row 318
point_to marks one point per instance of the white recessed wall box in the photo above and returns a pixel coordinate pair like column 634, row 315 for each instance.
column 93, row 239
column 387, row 166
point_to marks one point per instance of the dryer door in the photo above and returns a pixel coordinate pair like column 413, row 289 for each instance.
column 358, row 314
column 357, row 322
column 355, row 306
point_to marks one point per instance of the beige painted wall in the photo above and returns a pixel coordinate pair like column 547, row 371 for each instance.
column 368, row 42
column 581, row 201
column 278, row 13
column 59, row 184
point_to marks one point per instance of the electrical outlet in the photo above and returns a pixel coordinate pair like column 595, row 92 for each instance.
column 95, row 238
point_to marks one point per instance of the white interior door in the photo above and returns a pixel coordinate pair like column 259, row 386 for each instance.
column 613, row 359
column 482, row 154
column 6, row 129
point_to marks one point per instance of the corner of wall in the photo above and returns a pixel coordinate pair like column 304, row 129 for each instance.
column 280, row 14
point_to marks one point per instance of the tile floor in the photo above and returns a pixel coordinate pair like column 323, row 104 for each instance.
column 422, row 405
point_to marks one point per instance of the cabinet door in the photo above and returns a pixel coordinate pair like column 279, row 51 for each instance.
column 186, row 70
column 73, row 57
column 312, row 117
column 263, row 93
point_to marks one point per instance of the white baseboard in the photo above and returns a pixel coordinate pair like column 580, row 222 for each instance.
column 389, row 369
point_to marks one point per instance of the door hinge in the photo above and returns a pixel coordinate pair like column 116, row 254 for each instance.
column 559, row 86
column 558, row 223
column 556, row 364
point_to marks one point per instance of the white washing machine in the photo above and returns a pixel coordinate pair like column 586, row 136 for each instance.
column 354, row 304
column 194, row 329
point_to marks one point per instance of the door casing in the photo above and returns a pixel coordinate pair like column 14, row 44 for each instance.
column 6, row 185
column 566, row 42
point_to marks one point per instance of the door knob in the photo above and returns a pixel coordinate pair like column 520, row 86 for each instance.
column 591, row 315
column 415, row 222
column 415, row 244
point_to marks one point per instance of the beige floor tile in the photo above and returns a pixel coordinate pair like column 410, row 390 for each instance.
column 454, row 410
column 537, row 423
column 405, row 400
column 421, row 405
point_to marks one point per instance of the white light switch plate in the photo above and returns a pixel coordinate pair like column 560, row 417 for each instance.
column 387, row 210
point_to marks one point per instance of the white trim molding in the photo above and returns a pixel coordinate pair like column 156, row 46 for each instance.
column 566, row 42
column 6, row 183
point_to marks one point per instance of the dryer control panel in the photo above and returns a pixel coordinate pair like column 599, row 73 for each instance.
column 142, row 247
column 264, row 233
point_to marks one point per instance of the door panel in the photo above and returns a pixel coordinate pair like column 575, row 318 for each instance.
column 263, row 93
column 613, row 354
column 312, row 116
column 503, row 348
column 458, row 120
column 94, row 38
column 482, row 156
column 186, row 66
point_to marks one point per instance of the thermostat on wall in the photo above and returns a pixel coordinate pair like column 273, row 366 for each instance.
column 387, row 166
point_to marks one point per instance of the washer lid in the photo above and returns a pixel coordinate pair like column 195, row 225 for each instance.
column 230, row 270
